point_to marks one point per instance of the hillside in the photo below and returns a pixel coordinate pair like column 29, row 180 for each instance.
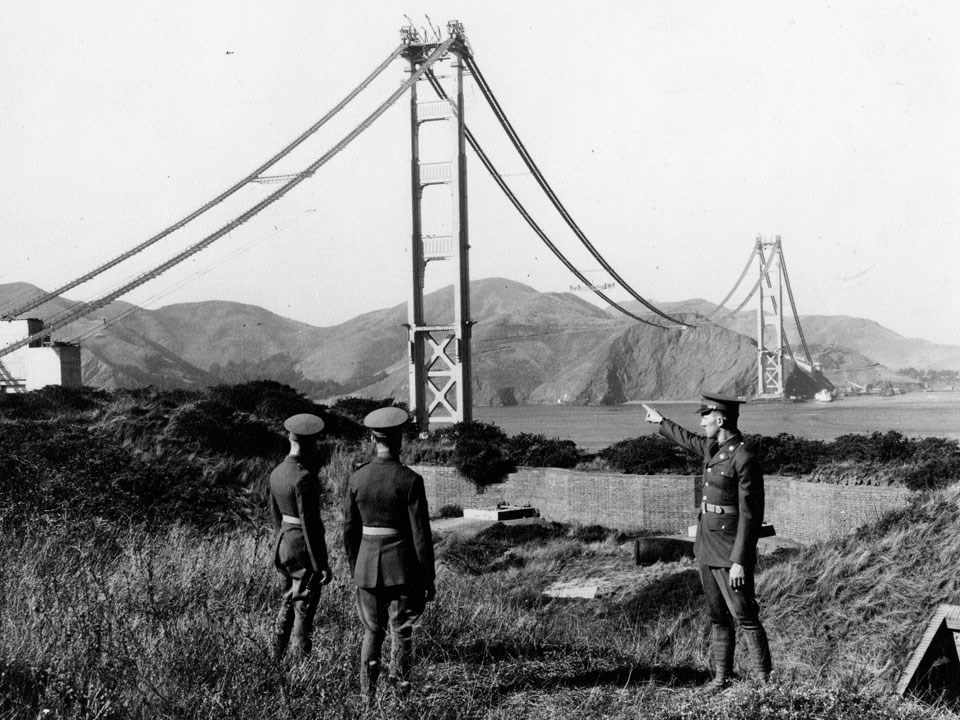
column 529, row 347
column 852, row 344
column 150, row 592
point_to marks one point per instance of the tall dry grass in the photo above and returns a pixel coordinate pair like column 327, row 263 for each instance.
column 107, row 622
column 135, row 582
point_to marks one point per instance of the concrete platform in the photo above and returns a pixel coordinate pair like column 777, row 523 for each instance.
column 499, row 514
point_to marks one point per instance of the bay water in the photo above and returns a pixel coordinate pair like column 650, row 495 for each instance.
column 922, row 414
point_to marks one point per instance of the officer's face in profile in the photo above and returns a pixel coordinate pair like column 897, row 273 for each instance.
column 711, row 423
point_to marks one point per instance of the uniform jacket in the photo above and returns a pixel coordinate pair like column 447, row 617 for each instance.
column 385, row 493
column 295, row 491
column 730, row 477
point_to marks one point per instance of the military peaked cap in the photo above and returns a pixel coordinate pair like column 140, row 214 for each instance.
column 304, row 424
column 386, row 419
column 723, row 403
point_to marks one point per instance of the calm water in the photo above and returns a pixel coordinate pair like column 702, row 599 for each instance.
column 915, row 415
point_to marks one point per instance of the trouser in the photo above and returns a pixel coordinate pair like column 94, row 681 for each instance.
column 399, row 609
column 727, row 609
column 298, row 606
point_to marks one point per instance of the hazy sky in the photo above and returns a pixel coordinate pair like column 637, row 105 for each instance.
column 674, row 132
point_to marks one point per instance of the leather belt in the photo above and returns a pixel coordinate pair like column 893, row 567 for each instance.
column 291, row 520
column 370, row 530
column 719, row 509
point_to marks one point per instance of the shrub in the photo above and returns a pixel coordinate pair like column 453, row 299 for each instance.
column 274, row 402
column 212, row 425
column 785, row 454
column 51, row 401
column 650, row 455
column 473, row 432
column 476, row 449
column 356, row 408
column 538, row 451
column 59, row 469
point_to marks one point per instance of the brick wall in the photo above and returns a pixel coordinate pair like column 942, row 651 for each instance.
column 799, row 510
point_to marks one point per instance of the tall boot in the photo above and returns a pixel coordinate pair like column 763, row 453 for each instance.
column 401, row 661
column 302, row 637
column 369, row 673
column 281, row 629
column 722, row 645
column 758, row 652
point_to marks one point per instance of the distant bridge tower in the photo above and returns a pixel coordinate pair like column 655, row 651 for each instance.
column 770, row 348
column 439, row 346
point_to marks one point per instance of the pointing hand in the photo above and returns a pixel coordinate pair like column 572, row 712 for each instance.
column 652, row 415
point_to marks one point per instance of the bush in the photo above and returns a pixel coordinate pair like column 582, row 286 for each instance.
column 476, row 449
column 274, row 402
column 212, row 425
column 357, row 408
column 650, row 455
column 786, row 454
column 538, row 451
column 51, row 401
column 58, row 469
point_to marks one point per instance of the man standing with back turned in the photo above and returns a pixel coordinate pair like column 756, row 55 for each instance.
column 731, row 513
column 386, row 532
column 300, row 549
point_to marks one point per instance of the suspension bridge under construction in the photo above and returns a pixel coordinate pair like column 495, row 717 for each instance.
column 439, row 354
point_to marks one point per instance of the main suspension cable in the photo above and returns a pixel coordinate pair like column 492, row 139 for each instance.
column 545, row 186
column 87, row 308
column 746, row 269
column 498, row 178
column 252, row 177
column 793, row 305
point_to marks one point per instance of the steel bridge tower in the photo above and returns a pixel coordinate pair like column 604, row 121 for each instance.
column 439, row 346
column 770, row 356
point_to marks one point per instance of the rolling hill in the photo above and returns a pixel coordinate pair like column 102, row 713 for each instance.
column 863, row 336
column 529, row 347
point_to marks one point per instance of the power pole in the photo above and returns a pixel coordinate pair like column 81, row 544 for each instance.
column 439, row 350
column 770, row 357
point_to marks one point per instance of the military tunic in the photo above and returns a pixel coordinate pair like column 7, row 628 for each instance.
column 384, row 493
column 389, row 544
column 295, row 492
column 299, row 551
column 731, row 479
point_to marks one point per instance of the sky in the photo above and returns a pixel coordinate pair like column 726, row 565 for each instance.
column 674, row 132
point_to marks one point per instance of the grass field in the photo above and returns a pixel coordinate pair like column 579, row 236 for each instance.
column 101, row 621
column 135, row 582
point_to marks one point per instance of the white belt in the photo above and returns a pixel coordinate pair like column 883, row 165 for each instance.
column 369, row 530
column 291, row 520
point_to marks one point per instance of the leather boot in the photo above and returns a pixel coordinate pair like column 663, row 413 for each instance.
column 281, row 629
column 758, row 652
column 302, row 636
column 401, row 662
column 369, row 673
column 722, row 645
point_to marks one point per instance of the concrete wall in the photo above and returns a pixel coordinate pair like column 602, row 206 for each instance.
column 799, row 510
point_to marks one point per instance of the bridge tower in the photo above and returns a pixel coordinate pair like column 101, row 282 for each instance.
column 770, row 354
column 439, row 345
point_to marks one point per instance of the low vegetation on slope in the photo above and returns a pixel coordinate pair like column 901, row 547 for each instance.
column 135, row 582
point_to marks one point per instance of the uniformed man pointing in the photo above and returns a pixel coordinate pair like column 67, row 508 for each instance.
column 300, row 548
column 731, row 513
column 386, row 532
